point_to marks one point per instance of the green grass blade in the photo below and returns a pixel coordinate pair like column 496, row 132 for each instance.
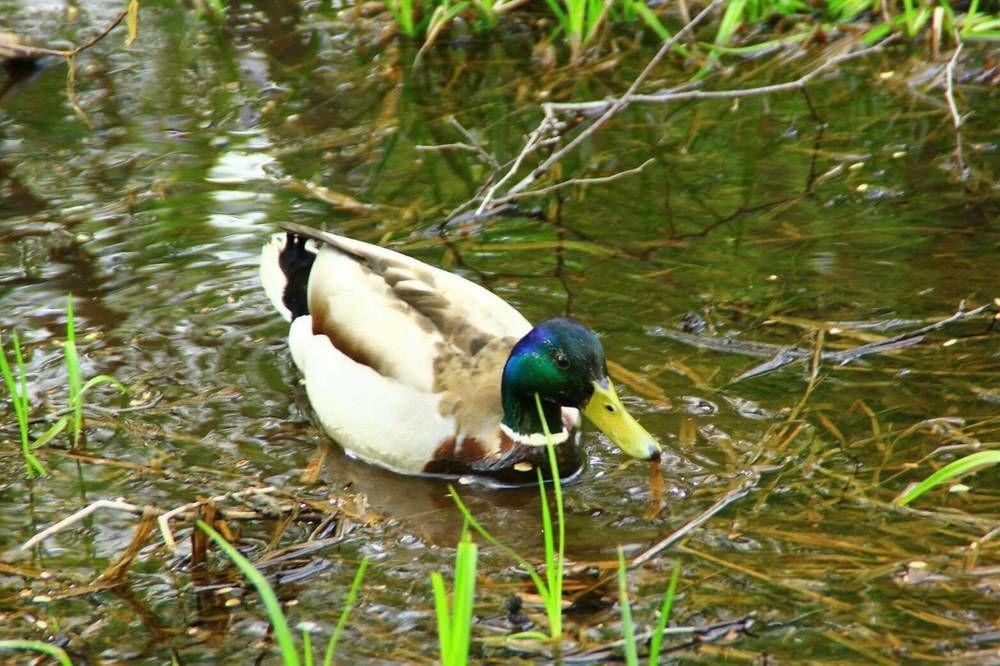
column 349, row 601
column 307, row 650
column 970, row 17
column 19, row 400
column 73, row 371
column 948, row 472
column 554, row 603
column 56, row 653
column 628, row 631
column 56, row 428
column 464, row 597
column 540, row 585
column 282, row 633
column 651, row 20
column 98, row 380
column 442, row 614
column 661, row 624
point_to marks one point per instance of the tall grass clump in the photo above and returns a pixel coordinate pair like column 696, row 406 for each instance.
column 17, row 386
column 454, row 625
column 282, row 634
column 580, row 23
column 554, row 537
column 16, row 379
column 947, row 473
column 579, row 20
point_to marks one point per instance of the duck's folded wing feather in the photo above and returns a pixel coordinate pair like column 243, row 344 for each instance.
column 397, row 314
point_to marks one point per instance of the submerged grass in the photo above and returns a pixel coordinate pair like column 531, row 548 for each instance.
column 282, row 634
column 949, row 472
column 56, row 653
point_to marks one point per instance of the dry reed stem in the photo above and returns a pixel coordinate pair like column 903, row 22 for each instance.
column 690, row 526
column 163, row 518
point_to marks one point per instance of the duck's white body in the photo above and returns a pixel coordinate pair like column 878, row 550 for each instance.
column 402, row 361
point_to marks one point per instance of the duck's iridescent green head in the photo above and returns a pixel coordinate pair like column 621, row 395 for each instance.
column 563, row 362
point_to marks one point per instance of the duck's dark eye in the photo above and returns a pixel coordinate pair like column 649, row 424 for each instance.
column 560, row 359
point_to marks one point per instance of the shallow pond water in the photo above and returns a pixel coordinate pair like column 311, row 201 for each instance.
column 766, row 220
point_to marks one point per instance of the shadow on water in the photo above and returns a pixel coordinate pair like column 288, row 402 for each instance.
column 784, row 220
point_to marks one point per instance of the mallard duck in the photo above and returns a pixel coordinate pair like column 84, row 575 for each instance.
column 420, row 371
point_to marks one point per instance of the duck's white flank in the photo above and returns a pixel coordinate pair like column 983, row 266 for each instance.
column 364, row 411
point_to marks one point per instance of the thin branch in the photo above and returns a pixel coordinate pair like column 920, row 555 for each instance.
column 573, row 181
column 616, row 106
column 35, row 51
column 120, row 505
column 949, row 94
column 550, row 127
column 474, row 142
column 682, row 96
column 433, row 147
column 691, row 525
column 164, row 519
column 74, row 518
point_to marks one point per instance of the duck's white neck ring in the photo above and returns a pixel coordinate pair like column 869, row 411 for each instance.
column 534, row 438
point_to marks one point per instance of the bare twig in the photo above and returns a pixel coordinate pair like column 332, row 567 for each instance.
column 474, row 142
column 117, row 505
column 949, row 94
column 70, row 57
column 34, row 51
column 164, row 519
column 549, row 130
column 571, row 182
column 690, row 526
column 472, row 145
column 782, row 356
column 687, row 95
column 550, row 122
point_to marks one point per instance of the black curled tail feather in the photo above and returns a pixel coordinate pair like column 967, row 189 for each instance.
column 296, row 261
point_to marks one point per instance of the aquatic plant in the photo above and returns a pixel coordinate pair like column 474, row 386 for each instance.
column 282, row 634
column 661, row 623
column 579, row 23
column 628, row 630
column 53, row 651
column 17, row 386
column 550, row 589
column 948, row 472
column 77, row 389
column 18, row 389
column 454, row 626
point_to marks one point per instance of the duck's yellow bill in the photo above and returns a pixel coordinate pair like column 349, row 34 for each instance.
column 606, row 411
